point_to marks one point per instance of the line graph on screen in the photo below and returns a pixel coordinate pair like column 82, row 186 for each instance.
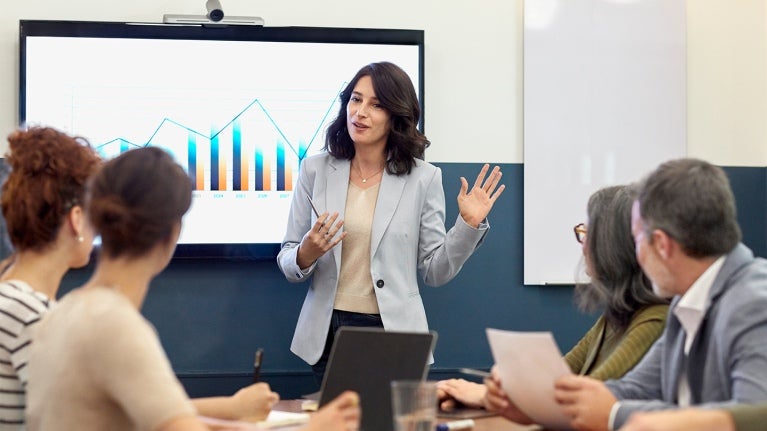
column 259, row 148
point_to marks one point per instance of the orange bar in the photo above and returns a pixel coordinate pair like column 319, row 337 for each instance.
column 288, row 178
column 221, row 173
column 199, row 176
column 267, row 176
column 244, row 174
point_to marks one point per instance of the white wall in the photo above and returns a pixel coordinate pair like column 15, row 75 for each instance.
column 589, row 119
column 473, row 58
column 727, row 81
column 474, row 64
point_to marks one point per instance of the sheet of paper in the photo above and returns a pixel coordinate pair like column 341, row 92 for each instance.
column 528, row 364
column 277, row 419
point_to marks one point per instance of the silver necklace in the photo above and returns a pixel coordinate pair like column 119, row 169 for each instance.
column 364, row 180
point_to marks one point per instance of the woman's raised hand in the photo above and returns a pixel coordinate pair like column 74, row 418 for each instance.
column 474, row 205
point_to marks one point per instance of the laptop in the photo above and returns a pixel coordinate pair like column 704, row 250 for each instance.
column 367, row 360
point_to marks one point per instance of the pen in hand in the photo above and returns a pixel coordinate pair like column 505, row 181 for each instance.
column 314, row 208
column 257, row 365
column 473, row 372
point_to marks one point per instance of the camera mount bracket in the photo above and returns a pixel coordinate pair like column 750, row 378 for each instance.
column 214, row 18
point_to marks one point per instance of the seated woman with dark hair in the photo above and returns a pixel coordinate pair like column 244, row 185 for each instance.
column 633, row 316
column 96, row 363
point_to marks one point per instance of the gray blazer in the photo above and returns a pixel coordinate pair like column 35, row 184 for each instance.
column 408, row 237
column 728, row 358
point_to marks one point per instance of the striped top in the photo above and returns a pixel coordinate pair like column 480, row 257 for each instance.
column 604, row 353
column 21, row 308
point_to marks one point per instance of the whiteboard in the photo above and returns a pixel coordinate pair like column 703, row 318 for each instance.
column 604, row 103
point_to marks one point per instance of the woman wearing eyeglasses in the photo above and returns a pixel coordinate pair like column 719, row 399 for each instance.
column 633, row 316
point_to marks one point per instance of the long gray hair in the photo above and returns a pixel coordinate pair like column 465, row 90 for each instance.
column 617, row 282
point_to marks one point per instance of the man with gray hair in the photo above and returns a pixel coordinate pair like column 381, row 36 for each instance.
column 713, row 351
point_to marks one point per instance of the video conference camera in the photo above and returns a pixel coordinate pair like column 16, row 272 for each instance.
column 214, row 18
column 215, row 11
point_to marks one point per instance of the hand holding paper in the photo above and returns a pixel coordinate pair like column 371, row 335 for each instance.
column 586, row 400
column 527, row 364
column 497, row 400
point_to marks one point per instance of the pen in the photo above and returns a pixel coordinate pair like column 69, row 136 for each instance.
column 257, row 365
column 314, row 208
column 473, row 372
column 456, row 425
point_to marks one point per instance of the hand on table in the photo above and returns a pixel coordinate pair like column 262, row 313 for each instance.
column 453, row 391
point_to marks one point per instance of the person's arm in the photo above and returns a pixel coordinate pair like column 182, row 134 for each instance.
column 441, row 255
column 183, row 423
column 686, row 420
column 251, row 403
column 299, row 223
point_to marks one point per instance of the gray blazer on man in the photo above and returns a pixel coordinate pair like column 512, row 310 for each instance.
column 408, row 237
column 728, row 358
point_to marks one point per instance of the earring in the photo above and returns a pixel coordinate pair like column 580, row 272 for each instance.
column 80, row 238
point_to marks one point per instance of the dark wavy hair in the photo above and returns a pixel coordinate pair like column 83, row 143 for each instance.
column 396, row 94
column 136, row 199
column 617, row 282
column 49, row 173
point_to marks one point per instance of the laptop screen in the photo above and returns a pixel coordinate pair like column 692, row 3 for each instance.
column 367, row 360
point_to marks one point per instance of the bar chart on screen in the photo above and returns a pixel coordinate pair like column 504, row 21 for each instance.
column 259, row 147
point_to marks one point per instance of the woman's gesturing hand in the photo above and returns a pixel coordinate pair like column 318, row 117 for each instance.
column 474, row 205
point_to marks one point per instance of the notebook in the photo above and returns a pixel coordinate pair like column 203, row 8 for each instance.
column 367, row 360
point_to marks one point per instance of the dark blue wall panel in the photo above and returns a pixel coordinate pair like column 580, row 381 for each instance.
column 750, row 188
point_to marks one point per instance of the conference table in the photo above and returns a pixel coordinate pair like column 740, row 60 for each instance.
column 489, row 423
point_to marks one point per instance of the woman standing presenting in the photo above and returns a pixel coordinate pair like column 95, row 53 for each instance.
column 372, row 190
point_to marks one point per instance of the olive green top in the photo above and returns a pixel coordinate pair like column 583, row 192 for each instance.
column 604, row 353
column 748, row 417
